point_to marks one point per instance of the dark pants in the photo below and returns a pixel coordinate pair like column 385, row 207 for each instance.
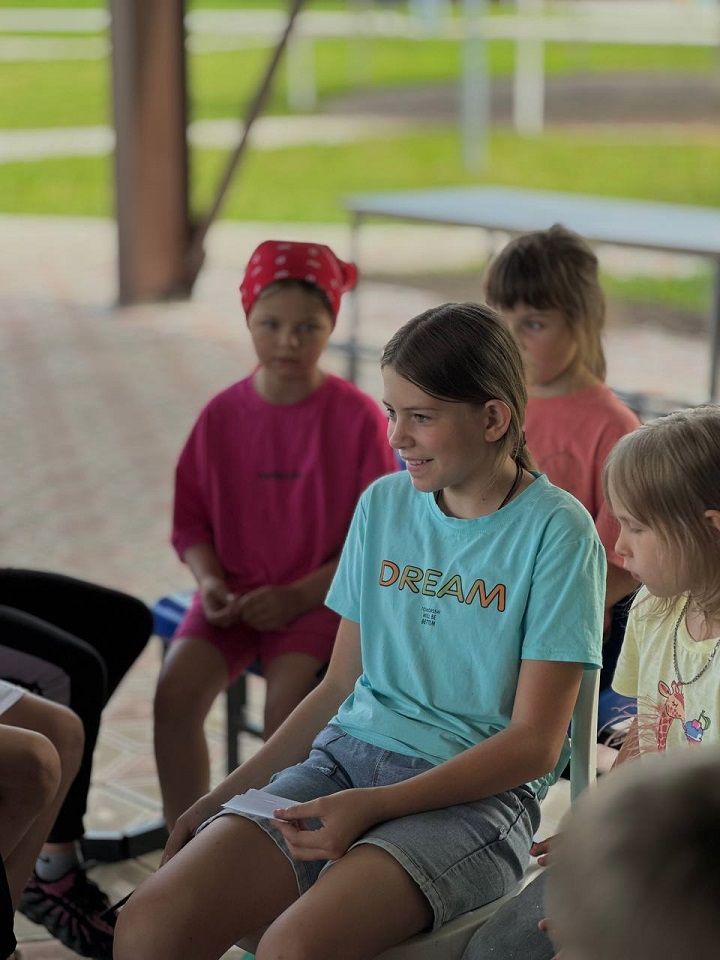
column 7, row 939
column 512, row 933
column 614, row 639
column 72, row 642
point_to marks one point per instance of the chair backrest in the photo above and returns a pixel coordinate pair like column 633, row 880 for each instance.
column 168, row 611
column 583, row 734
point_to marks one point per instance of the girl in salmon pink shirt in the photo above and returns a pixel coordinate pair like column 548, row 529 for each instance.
column 546, row 287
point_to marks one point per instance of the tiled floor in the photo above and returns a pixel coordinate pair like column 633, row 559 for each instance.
column 96, row 402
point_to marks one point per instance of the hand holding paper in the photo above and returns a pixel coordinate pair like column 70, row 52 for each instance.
column 259, row 803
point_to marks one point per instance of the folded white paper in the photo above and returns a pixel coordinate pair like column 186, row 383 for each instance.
column 259, row 803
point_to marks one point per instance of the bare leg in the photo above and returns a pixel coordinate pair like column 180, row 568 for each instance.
column 230, row 880
column 364, row 904
column 290, row 677
column 63, row 729
column 193, row 674
column 29, row 784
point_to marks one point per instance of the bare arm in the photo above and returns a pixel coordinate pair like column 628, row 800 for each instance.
column 630, row 749
column 312, row 588
column 266, row 608
column 219, row 604
column 271, row 607
column 203, row 562
column 291, row 741
column 528, row 748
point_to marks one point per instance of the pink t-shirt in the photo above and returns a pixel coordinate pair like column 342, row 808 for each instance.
column 273, row 487
column 570, row 438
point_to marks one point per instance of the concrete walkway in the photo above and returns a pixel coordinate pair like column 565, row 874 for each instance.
column 269, row 133
column 630, row 101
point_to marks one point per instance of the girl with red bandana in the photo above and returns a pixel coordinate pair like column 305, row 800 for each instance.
column 265, row 490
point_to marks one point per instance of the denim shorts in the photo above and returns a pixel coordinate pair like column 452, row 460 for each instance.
column 461, row 857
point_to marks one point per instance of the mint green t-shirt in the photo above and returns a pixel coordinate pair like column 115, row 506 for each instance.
column 448, row 608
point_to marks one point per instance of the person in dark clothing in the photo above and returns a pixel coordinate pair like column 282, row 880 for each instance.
column 71, row 642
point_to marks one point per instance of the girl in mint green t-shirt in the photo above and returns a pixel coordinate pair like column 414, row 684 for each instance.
column 470, row 592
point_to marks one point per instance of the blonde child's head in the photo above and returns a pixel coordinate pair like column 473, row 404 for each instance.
column 462, row 352
column 665, row 478
column 549, row 271
column 635, row 871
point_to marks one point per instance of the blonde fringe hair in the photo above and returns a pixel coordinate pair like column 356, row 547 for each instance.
column 667, row 474
column 553, row 269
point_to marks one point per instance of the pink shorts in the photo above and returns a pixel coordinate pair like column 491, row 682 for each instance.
column 312, row 633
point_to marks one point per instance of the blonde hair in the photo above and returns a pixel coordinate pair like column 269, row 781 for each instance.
column 462, row 352
column 635, row 868
column 553, row 269
column 667, row 474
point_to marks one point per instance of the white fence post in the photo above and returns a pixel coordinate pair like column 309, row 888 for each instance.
column 300, row 74
column 475, row 90
column 529, row 77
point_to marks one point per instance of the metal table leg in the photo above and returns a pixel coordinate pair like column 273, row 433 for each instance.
column 715, row 335
column 353, row 339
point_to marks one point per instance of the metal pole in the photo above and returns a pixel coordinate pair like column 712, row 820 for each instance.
column 300, row 70
column 353, row 342
column 195, row 252
column 715, row 336
column 529, row 76
column 151, row 165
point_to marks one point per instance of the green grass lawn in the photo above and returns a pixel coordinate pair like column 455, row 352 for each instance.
column 25, row 4
column 277, row 185
column 189, row 4
column 308, row 183
column 274, row 185
column 693, row 293
column 76, row 92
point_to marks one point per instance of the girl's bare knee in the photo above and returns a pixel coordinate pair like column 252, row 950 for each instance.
column 56, row 723
column 130, row 935
column 173, row 707
column 42, row 771
column 168, row 703
column 275, row 715
column 68, row 736
column 279, row 706
column 139, row 932
column 285, row 941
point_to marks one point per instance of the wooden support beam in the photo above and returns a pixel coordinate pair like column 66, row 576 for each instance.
column 151, row 160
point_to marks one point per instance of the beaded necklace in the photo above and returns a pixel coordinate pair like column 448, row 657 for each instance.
column 686, row 683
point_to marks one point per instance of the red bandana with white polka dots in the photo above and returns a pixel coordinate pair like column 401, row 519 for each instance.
column 289, row 260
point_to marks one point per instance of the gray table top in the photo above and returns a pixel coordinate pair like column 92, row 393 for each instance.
column 637, row 223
